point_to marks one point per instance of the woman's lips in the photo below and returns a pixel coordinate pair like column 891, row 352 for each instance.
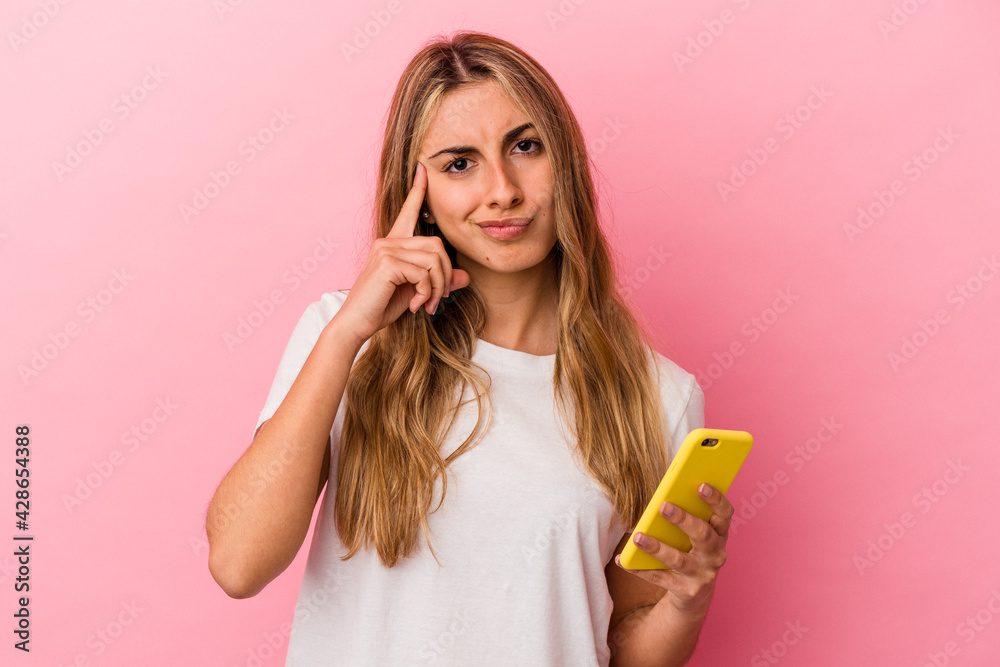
column 506, row 232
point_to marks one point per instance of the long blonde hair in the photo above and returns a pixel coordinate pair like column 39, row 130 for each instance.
column 400, row 396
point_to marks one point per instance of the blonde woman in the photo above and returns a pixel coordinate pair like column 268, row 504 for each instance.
column 487, row 414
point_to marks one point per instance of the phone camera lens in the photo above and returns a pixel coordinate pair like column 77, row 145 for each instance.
column 709, row 442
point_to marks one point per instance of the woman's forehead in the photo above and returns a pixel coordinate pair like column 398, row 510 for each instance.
column 474, row 115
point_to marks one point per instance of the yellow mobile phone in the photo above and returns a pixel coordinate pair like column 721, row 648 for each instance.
column 708, row 455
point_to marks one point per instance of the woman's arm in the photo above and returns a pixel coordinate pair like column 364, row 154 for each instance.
column 654, row 635
column 260, row 514
column 658, row 613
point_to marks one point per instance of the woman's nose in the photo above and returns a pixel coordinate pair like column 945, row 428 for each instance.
column 504, row 190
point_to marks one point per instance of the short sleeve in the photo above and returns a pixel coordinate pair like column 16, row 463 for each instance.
column 692, row 416
column 683, row 404
column 301, row 343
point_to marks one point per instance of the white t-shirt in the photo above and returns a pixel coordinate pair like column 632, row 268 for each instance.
column 523, row 536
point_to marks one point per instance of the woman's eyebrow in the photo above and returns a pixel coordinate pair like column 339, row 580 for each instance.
column 510, row 136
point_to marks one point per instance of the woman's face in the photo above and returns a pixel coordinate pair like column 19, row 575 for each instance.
column 479, row 170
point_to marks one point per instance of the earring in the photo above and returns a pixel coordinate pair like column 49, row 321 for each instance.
column 427, row 214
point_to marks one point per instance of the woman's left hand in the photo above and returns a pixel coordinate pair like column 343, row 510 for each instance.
column 691, row 581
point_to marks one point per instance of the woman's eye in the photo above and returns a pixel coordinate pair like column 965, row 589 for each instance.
column 530, row 142
column 451, row 164
column 526, row 145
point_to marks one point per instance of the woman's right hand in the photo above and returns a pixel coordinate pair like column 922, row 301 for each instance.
column 402, row 271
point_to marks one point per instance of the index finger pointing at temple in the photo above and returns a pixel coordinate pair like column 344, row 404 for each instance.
column 406, row 221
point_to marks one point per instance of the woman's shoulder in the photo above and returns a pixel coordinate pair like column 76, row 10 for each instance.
column 675, row 382
column 327, row 305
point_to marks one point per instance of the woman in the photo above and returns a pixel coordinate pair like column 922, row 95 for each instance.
column 489, row 278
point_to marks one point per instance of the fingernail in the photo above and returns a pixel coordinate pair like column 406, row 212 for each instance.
column 641, row 539
column 419, row 167
column 704, row 491
column 668, row 510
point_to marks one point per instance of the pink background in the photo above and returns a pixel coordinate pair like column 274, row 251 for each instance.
column 884, row 436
